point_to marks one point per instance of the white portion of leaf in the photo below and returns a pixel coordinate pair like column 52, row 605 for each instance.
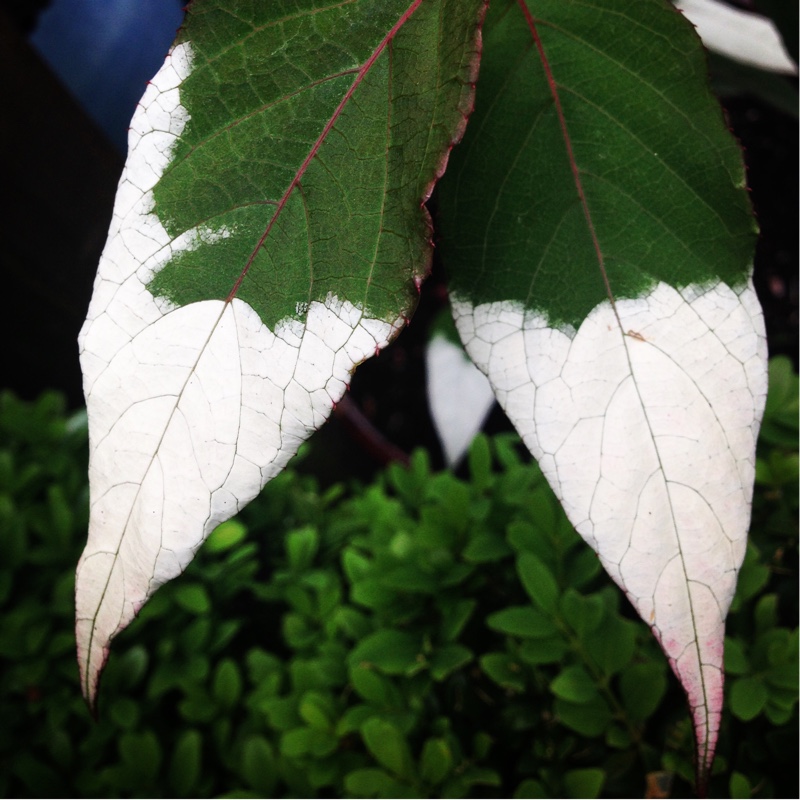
column 741, row 35
column 459, row 396
column 191, row 410
column 648, row 439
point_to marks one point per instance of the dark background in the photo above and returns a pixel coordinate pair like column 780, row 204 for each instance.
column 71, row 72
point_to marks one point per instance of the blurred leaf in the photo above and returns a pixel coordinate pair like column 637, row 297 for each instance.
column 739, row 786
column 503, row 670
column 301, row 547
column 736, row 662
column 389, row 747
column 454, row 617
column 394, row 652
column 524, row 621
column 485, row 548
column 258, row 765
column 370, row 782
column 185, row 766
column 436, row 762
column 192, row 597
column 543, row 651
column 530, row 789
column 612, row 644
column 447, row 659
column 124, row 712
column 141, row 754
column 317, row 710
column 748, row 696
column 582, row 613
column 225, row 536
column 588, row 719
column 584, row 782
column 780, row 426
column 642, row 688
column 227, row 687
column 574, row 684
column 538, row 581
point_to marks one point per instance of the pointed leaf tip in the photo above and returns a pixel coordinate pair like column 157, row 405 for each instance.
column 603, row 284
column 266, row 239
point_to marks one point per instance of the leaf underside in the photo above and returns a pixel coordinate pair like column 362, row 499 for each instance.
column 598, row 241
column 268, row 235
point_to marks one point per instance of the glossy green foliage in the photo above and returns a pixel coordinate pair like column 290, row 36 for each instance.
column 425, row 636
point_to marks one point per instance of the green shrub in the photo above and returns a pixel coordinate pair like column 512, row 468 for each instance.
column 425, row 636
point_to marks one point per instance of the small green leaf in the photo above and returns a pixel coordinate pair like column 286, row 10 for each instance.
column 524, row 621
column 394, row 652
column 584, row 782
column 612, row 644
column 124, row 712
column 436, row 762
column 575, row 685
column 766, row 613
column 504, row 671
column 740, row 788
column 748, row 697
column 301, row 547
column 582, row 613
column 543, row 651
column 454, row 618
column 192, row 597
column 141, row 754
column 374, row 687
column 588, row 719
column 369, row 782
column 642, row 687
column 355, row 564
column 736, row 662
column 447, row 659
column 480, row 462
column 185, row 765
column 227, row 686
column 317, row 710
column 530, row 789
column 538, row 581
column 225, row 536
column 486, row 548
column 389, row 747
column 308, row 741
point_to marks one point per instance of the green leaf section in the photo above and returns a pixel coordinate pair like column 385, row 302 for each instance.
column 634, row 130
column 315, row 131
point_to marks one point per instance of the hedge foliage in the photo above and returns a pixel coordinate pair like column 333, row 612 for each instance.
column 424, row 636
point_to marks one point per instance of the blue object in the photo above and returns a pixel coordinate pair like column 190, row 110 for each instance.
column 105, row 51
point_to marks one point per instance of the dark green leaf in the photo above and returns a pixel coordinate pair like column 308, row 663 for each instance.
column 538, row 581
column 524, row 621
column 185, row 766
column 436, row 762
column 504, row 670
column 447, row 659
column 588, row 719
column 642, row 687
column 584, row 782
column 389, row 747
column 394, row 652
column 227, row 687
column 748, row 696
column 575, row 685
column 193, row 597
